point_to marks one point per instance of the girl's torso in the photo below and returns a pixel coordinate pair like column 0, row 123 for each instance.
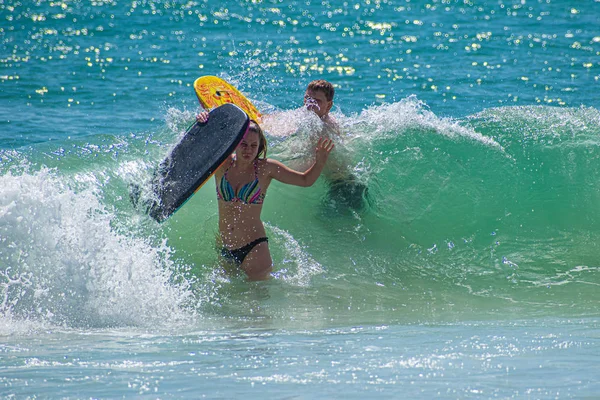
column 241, row 192
column 249, row 193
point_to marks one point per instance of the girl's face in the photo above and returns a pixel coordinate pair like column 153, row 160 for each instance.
column 248, row 148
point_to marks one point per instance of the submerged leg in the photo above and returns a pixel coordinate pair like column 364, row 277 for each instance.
column 349, row 193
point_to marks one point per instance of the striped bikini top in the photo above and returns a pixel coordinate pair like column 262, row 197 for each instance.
column 250, row 193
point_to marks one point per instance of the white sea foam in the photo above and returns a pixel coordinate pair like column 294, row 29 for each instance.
column 544, row 124
column 298, row 266
column 62, row 262
column 408, row 113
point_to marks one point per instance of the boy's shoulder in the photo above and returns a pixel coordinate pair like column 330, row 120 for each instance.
column 331, row 125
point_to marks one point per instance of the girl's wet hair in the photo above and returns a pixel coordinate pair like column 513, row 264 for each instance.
column 262, row 140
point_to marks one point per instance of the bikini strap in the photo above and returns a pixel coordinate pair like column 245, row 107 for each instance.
column 229, row 166
column 256, row 168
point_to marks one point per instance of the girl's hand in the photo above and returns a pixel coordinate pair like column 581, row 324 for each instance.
column 202, row 117
column 324, row 147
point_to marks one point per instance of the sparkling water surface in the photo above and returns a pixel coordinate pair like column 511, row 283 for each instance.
column 471, row 273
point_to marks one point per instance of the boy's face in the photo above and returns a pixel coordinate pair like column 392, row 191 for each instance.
column 316, row 101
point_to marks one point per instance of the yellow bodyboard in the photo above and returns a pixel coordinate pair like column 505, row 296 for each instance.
column 213, row 92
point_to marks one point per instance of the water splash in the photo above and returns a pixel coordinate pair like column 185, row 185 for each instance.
column 64, row 263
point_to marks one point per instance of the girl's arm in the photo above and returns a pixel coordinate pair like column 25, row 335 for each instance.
column 289, row 176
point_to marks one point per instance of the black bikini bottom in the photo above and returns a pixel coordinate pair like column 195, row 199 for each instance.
column 238, row 255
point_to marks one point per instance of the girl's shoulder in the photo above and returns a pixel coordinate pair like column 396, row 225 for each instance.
column 267, row 165
column 264, row 162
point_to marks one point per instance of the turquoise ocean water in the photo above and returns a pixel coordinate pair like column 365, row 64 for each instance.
column 473, row 272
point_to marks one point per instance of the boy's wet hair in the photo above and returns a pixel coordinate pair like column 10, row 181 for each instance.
column 262, row 140
column 323, row 86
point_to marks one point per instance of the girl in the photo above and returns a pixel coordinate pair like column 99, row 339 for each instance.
column 242, row 183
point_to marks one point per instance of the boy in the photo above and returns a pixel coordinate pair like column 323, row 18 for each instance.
column 344, row 187
column 319, row 99
column 345, row 190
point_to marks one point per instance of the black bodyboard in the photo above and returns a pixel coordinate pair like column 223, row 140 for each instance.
column 195, row 158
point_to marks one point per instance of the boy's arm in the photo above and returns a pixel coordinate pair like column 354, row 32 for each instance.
column 332, row 125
